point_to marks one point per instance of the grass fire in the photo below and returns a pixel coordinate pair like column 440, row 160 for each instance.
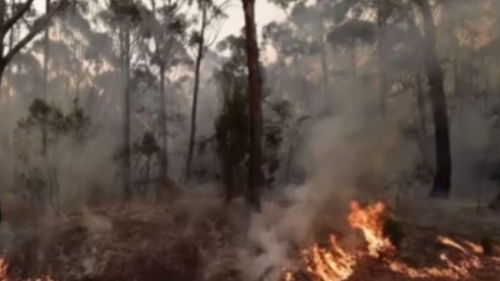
column 464, row 260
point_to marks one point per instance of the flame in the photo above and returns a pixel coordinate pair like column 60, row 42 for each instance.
column 3, row 270
column 334, row 263
column 329, row 264
column 453, row 270
column 370, row 221
column 4, row 266
column 452, row 243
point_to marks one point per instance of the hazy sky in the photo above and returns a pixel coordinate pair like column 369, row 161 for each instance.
column 265, row 13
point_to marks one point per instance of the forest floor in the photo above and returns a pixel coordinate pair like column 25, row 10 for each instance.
column 198, row 239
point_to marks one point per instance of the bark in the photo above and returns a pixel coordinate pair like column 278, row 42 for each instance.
column 199, row 58
column 254, row 105
column 442, row 179
column 421, row 136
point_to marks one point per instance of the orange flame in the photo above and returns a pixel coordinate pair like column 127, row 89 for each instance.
column 370, row 221
column 451, row 243
column 333, row 263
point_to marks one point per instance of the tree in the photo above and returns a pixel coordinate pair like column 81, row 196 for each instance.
column 167, row 26
column 124, row 16
column 50, row 124
column 146, row 147
column 231, row 140
column 7, row 23
column 208, row 13
column 200, row 38
column 255, row 178
column 434, row 72
column 231, row 126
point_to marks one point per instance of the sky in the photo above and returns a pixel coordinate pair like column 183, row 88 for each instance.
column 265, row 13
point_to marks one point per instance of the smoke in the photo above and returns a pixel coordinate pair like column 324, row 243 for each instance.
column 354, row 153
column 347, row 158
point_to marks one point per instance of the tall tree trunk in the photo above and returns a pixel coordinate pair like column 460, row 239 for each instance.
column 442, row 179
column 255, row 179
column 199, row 58
column 126, row 112
column 163, row 154
column 421, row 106
column 46, row 40
column 422, row 124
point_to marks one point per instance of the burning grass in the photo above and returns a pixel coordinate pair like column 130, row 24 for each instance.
column 379, row 260
column 170, row 243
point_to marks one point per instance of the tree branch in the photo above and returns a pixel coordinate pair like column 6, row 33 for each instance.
column 37, row 28
column 10, row 22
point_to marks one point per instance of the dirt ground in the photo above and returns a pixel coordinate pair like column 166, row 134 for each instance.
column 184, row 243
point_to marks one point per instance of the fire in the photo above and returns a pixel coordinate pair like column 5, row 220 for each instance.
column 4, row 266
column 452, row 243
column 335, row 263
column 331, row 264
column 3, row 270
column 370, row 221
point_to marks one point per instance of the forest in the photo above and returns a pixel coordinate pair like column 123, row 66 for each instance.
column 249, row 140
